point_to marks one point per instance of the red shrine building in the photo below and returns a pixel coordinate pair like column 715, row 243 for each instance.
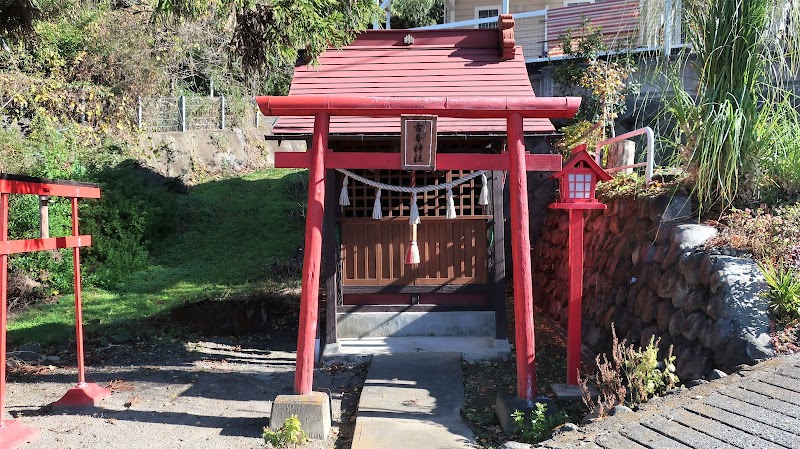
column 414, row 137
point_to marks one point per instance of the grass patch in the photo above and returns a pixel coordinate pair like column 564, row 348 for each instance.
column 236, row 236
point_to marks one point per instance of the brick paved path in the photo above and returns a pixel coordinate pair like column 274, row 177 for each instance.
column 756, row 408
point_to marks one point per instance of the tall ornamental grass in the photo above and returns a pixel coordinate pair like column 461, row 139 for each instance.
column 733, row 128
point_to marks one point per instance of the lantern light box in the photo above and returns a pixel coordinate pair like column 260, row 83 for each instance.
column 578, row 182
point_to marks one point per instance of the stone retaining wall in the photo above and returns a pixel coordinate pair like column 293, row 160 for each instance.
column 646, row 274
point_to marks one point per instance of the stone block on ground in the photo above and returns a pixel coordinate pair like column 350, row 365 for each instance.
column 566, row 392
column 312, row 409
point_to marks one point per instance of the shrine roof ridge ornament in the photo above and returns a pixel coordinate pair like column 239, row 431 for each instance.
column 457, row 106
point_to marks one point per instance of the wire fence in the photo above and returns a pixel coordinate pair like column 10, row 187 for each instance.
column 184, row 113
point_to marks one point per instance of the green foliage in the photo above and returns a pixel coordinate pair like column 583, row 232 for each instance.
column 53, row 269
column 603, row 79
column 290, row 433
column 418, row 13
column 645, row 378
column 631, row 185
column 266, row 36
column 726, row 130
column 784, row 291
column 631, row 377
column 577, row 133
column 137, row 211
column 540, row 424
column 218, row 251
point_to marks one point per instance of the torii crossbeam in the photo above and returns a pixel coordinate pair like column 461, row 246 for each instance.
column 515, row 160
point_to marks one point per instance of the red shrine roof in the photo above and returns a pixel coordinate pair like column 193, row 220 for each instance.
column 438, row 63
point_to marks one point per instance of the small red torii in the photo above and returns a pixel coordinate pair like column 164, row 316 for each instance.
column 515, row 160
column 13, row 433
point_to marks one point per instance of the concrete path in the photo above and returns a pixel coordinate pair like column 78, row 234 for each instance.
column 412, row 401
column 756, row 408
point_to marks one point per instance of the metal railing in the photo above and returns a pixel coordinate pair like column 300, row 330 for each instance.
column 659, row 26
column 648, row 164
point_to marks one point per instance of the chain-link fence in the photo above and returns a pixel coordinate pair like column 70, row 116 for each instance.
column 184, row 113
column 531, row 34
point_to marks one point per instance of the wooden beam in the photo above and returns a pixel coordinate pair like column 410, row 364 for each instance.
column 414, row 289
column 31, row 245
column 444, row 161
column 464, row 107
column 66, row 189
column 497, row 270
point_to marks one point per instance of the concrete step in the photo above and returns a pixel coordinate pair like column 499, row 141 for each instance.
column 412, row 401
column 471, row 348
column 415, row 324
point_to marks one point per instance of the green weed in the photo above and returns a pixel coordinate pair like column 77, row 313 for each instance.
column 539, row 424
column 784, row 291
column 290, row 433
column 631, row 377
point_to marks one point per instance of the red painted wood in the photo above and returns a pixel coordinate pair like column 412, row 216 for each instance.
column 3, row 303
column 575, row 295
column 430, row 58
column 461, row 107
column 31, row 245
column 386, row 125
column 438, row 38
column 581, row 206
column 444, row 161
column 521, row 254
column 351, row 80
column 76, row 269
column 36, row 188
column 309, row 301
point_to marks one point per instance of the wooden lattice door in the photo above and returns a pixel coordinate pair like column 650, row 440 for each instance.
column 452, row 252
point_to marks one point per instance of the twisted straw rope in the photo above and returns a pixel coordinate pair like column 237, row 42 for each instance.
column 430, row 188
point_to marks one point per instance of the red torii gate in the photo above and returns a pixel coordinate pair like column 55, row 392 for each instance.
column 514, row 110
column 12, row 432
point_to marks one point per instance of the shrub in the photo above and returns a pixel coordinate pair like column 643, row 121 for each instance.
column 137, row 210
column 631, row 377
column 784, row 291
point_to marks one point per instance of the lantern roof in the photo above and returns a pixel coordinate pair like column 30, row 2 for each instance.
column 581, row 157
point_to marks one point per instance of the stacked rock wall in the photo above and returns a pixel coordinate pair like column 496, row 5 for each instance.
column 646, row 274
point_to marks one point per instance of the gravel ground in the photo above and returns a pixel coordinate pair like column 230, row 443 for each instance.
column 209, row 393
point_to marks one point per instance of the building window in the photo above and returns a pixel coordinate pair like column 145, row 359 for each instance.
column 577, row 2
column 484, row 12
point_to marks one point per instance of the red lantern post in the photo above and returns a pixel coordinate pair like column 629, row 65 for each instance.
column 578, row 180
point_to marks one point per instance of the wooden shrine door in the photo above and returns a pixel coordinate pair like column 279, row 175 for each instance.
column 453, row 253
